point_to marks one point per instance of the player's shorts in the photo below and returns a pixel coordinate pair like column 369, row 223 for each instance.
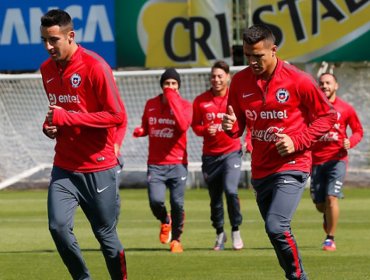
column 327, row 180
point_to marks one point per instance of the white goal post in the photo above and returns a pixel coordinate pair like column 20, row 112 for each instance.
column 25, row 151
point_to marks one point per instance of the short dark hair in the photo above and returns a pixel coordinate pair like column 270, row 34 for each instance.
column 331, row 74
column 221, row 65
column 57, row 17
column 257, row 33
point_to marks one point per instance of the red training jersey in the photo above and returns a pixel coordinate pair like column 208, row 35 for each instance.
column 166, row 125
column 330, row 146
column 209, row 110
column 92, row 117
column 289, row 103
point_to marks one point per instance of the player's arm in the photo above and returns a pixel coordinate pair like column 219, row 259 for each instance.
column 47, row 128
column 248, row 141
column 182, row 110
column 197, row 122
column 141, row 131
column 322, row 114
column 120, row 135
column 356, row 129
column 233, row 122
column 113, row 111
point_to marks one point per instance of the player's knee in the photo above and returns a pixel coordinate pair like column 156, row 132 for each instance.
column 61, row 236
column 320, row 207
column 331, row 200
column 231, row 194
column 57, row 228
column 156, row 204
column 275, row 226
column 177, row 207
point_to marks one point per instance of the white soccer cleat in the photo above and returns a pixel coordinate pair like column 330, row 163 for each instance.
column 237, row 240
column 220, row 242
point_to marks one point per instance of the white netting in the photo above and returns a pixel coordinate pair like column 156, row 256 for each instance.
column 24, row 149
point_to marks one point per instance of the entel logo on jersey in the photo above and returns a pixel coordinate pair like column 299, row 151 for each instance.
column 266, row 115
column 252, row 115
column 282, row 95
column 212, row 116
column 166, row 121
column 63, row 98
column 152, row 120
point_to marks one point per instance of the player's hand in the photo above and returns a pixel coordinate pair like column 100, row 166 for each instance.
column 212, row 129
column 228, row 119
column 50, row 113
column 51, row 131
column 346, row 143
column 284, row 145
column 138, row 131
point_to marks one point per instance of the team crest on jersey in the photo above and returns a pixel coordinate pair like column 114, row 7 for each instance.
column 75, row 80
column 282, row 95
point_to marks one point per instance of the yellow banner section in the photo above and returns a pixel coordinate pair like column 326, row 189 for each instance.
column 308, row 29
column 185, row 33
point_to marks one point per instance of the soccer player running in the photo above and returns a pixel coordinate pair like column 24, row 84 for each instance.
column 286, row 112
column 88, row 120
column 330, row 158
column 165, row 121
column 221, row 159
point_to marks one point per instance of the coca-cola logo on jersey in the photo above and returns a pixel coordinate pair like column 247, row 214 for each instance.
column 331, row 136
column 162, row 133
column 267, row 135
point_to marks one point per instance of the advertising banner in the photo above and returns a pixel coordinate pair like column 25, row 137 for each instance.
column 316, row 30
column 21, row 48
column 160, row 33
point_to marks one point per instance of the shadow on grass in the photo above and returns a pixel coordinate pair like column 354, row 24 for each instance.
column 43, row 251
column 192, row 249
column 138, row 249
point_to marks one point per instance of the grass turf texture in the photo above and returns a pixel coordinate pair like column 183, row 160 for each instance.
column 27, row 250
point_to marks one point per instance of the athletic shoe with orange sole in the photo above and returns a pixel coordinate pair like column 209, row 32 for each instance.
column 329, row 245
column 165, row 234
column 176, row 247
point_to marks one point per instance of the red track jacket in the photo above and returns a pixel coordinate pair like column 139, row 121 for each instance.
column 291, row 103
column 92, row 118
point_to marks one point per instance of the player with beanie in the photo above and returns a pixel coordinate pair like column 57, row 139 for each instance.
column 170, row 73
column 165, row 120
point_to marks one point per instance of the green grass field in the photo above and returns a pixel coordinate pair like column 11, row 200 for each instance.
column 27, row 250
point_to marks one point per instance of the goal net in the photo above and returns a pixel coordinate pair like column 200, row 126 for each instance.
column 27, row 154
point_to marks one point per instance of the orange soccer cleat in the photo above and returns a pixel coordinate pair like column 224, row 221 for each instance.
column 165, row 233
column 176, row 247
